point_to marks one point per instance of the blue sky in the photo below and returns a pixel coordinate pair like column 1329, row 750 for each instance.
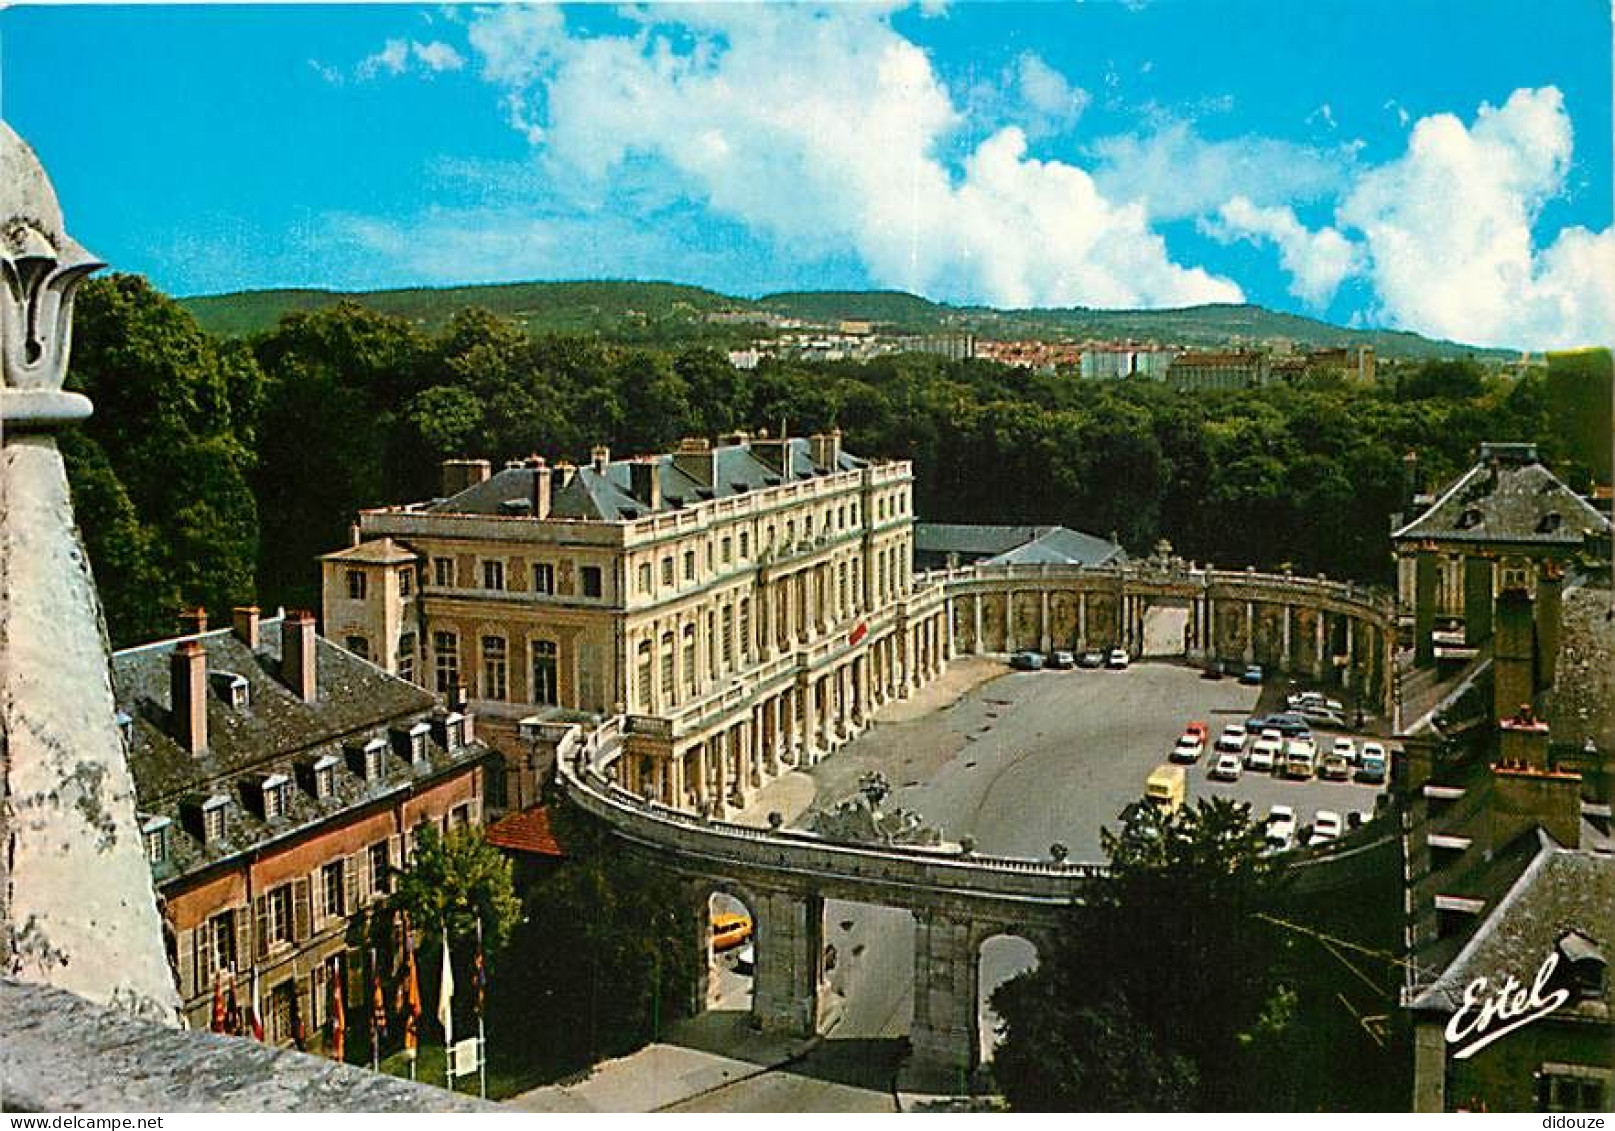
column 1441, row 167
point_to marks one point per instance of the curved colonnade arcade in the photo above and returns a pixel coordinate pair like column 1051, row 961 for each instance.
column 959, row 900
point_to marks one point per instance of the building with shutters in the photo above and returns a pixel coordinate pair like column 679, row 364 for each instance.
column 280, row 781
column 742, row 605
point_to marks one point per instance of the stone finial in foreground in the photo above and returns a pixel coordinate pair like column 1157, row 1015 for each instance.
column 77, row 907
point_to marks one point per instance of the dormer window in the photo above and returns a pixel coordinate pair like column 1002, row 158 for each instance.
column 233, row 689
column 1587, row 968
column 324, row 778
column 454, row 732
column 275, row 789
column 214, row 810
column 413, row 742
column 154, row 834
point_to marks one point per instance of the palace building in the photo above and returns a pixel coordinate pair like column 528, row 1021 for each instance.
column 280, row 782
column 742, row 605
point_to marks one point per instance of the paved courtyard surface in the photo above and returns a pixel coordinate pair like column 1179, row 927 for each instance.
column 1019, row 762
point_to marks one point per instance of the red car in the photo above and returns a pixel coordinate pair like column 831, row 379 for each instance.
column 1199, row 730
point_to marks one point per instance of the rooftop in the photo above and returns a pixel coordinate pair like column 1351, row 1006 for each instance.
column 528, row 831
column 378, row 551
column 1015, row 545
column 1509, row 495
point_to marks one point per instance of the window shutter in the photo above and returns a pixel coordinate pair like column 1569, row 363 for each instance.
column 186, row 947
column 261, row 916
column 243, row 940
column 366, row 882
column 350, row 883
column 316, row 915
column 395, row 852
column 300, row 909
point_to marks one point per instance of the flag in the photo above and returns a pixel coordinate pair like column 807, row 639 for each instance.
column 255, row 1017
column 858, row 633
column 378, row 1004
column 411, row 996
column 445, row 995
column 479, row 975
column 218, row 1001
column 339, row 1020
column 232, row 1009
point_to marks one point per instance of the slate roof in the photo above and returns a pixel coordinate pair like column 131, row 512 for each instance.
column 377, row 551
column 607, row 494
column 1560, row 891
column 1508, row 496
column 1017, row 545
column 1581, row 703
column 276, row 732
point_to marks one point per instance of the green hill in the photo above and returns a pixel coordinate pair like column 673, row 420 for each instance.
column 666, row 313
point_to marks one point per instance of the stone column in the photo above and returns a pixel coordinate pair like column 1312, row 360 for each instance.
column 864, row 708
column 1250, row 632
column 952, row 647
column 944, row 1032
column 678, row 786
column 1289, row 624
column 720, row 755
column 765, row 623
column 1349, row 676
column 776, row 737
column 1043, row 622
column 827, row 706
column 843, row 700
column 1082, row 619
column 1424, row 608
column 1318, row 654
column 976, row 645
column 703, row 776
column 77, row 907
column 1009, row 620
column 787, row 990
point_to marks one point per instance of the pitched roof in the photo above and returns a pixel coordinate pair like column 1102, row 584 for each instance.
column 1580, row 706
column 1015, row 545
column 607, row 493
column 1507, row 496
column 529, row 831
column 377, row 551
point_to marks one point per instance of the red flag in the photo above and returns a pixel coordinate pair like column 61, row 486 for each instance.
column 412, row 994
column 378, row 1004
column 339, row 1021
column 479, row 978
column 232, row 1009
column 218, row 1002
column 858, row 633
column 255, row 1012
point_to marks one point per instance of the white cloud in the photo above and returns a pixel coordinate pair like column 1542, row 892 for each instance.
column 391, row 59
column 395, row 57
column 1175, row 173
column 436, row 56
column 1317, row 262
column 1050, row 104
column 1448, row 231
column 819, row 129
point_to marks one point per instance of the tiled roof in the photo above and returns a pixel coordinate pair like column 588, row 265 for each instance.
column 377, row 551
column 1508, row 496
column 607, row 494
column 527, row 831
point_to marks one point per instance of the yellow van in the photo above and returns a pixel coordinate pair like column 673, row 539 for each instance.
column 1168, row 786
column 729, row 930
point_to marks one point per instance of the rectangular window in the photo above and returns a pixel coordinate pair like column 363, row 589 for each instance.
column 745, row 545
column 278, row 915
column 324, row 781
column 689, row 659
column 667, row 666
column 333, row 889
column 494, row 669
column 667, row 572
column 443, row 572
column 644, row 577
column 591, row 581
column 358, row 645
column 218, row 947
column 745, row 629
column 728, row 637
column 446, row 657
column 157, row 845
column 689, row 565
column 642, row 675
column 381, row 866
column 841, row 586
column 406, row 581
column 493, row 575
column 546, row 689
column 543, row 578
column 274, row 800
column 725, row 551
column 406, row 656
column 281, row 1000
column 213, row 823
column 356, row 584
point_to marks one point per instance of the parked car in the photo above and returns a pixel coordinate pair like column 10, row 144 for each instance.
column 1118, row 659
column 729, row 930
column 1326, row 826
column 1300, row 758
column 1227, row 768
column 1232, row 739
column 1092, row 658
column 1323, row 716
column 1290, row 725
column 1334, row 768
column 1346, row 748
column 1061, row 661
column 1371, row 767
column 1199, row 730
column 1297, row 700
column 1166, row 786
column 1252, row 675
column 1212, row 671
column 1266, row 751
column 1280, row 827
column 1026, row 662
column 1188, row 749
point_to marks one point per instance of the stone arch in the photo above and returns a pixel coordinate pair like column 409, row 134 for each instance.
column 1000, row 952
column 718, row 984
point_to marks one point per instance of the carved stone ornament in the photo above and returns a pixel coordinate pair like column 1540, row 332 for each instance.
column 41, row 266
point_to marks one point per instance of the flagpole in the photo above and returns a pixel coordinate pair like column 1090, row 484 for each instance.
column 375, row 1034
column 445, row 1012
column 482, row 1038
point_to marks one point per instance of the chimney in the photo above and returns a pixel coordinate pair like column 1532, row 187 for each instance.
column 599, row 456
column 736, row 439
column 561, row 474
column 772, row 452
column 826, row 448
column 187, row 695
column 297, row 650
column 193, row 622
column 354, row 536
column 244, row 621
column 694, row 457
column 459, row 474
column 541, row 485
column 645, row 481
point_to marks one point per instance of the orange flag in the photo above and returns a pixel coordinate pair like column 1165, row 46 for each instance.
column 412, row 992
column 339, row 1021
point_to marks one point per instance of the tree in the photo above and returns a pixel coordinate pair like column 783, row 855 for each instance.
column 455, row 881
column 1103, row 1019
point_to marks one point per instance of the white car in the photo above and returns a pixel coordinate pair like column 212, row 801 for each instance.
column 1117, row 659
column 1300, row 758
column 1326, row 826
column 1227, row 767
column 1314, row 699
column 1280, row 827
column 1346, row 748
column 1232, row 739
column 1265, row 752
column 1374, row 750
column 1188, row 749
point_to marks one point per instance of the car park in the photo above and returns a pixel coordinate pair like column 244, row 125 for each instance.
column 1300, row 757
column 1334, row 768
column 1061, row 661
column 1346, row 748
column 1092, row 658
column 1026, row 662
column 1227, row 768
column 1232, row 739
column 1252, row 675
column 1326, row 826
column 1280, row 827
column 1188, row 749
column 1118, row 659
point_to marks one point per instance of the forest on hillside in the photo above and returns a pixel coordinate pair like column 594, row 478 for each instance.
column 214, row 470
